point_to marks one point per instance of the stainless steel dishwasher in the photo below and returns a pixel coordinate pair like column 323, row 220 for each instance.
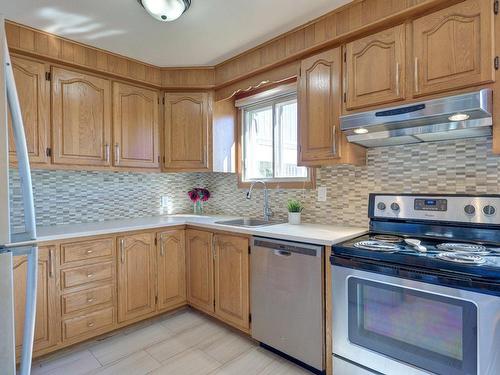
column 287, row 299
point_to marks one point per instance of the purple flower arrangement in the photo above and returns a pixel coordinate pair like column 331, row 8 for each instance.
column 199, row 194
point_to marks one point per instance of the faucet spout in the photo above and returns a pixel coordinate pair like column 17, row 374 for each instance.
column 268, row 213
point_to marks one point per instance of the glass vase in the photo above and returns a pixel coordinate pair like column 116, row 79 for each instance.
column 198, row 208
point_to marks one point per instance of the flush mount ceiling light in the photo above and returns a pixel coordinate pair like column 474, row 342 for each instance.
column 165, row 10
column 360, row 131
column 459, row 117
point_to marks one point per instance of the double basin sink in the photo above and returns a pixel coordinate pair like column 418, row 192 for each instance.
column 248, row 222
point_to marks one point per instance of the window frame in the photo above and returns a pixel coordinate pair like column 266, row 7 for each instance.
column 275, row 183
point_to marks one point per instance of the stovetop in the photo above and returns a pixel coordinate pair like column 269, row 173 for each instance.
column 467, row 258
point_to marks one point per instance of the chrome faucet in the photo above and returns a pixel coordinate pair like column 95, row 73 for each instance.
column 268, row 213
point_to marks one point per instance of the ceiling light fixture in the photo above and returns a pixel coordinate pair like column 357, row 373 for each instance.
column 459, row 117
column 165, row 10
column 360, row 131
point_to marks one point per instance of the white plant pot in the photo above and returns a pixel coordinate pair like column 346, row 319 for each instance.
column 294, row 218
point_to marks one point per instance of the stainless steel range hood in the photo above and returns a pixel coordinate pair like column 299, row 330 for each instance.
column 453, row 117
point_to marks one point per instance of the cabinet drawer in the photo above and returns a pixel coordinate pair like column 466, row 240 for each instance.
column 72, row 252
column 87, row 323
column 87, row 298
column 86, row 274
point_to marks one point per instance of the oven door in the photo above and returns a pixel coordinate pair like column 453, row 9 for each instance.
column 400, row 326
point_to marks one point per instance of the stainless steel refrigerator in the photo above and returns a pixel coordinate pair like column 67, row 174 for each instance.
column 20, row 242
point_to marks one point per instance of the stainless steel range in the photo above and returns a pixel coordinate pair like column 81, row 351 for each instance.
column 420, row 293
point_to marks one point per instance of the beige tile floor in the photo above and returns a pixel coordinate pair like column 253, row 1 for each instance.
column 183, row 343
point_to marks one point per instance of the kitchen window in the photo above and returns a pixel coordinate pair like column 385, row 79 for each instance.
column 269, row 141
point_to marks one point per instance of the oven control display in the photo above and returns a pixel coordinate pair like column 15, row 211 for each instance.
column 430, row 204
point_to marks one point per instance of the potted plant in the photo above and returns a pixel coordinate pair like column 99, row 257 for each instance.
column 197, row 196
column 294, row 210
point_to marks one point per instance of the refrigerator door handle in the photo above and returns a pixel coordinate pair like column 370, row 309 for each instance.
column 21, row 147
column 29, row 209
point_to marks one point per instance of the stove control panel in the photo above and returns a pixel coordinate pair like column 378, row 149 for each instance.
column 456, row 208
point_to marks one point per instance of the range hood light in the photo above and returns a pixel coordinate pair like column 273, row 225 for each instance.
column 165, row 10
column 360, row 131
column 459, row 117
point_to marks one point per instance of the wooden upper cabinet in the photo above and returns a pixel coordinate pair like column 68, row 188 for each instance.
column 135, row 127
column 375, row 69
column 453, row 48
column 33, row 91
column 232, row 301
column 136, row 276
column 47, row 324
column 81, row 118
column 200, row 269
column 171, row 269
column 319, row 108
column 188, row 131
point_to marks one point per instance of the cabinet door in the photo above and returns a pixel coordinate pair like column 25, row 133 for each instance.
column 33, row 91
column 135, row 126
column 188, row 142
column 47, row 325
column 200, row 273
column 81, row 118
column 375, row 69
column 136, row 276
column 231, row 280
column 319, row 108
column 453, row 48
column 171, row 269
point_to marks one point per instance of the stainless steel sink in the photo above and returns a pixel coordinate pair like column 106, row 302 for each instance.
column 248, row 222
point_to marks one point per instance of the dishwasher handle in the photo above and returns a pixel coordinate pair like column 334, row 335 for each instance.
column 282, row 253
column 287, row 248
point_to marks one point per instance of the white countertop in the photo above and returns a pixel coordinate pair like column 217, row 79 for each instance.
column 311, row 233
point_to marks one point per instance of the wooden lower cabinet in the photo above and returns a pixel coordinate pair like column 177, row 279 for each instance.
column 136, row 276
column 232, row 292
column 47, row 326
column 171, row 263
column 200, row 269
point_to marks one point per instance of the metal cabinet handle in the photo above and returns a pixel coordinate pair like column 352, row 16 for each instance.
column 51, row 263
column 90, row 300
column 90, row 275
column 89, row 252
column 334, row 143
column 122, row 250
column 162, row 246
column 117, row 153
column 106, row 152
column 90, row 324
column 417, row 89
column 397, row 79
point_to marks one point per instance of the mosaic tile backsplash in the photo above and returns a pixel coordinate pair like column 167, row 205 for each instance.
column 464, row 166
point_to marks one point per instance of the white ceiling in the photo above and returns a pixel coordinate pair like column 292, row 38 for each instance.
column 211, row 31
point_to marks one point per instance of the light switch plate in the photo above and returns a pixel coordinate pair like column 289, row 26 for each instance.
column 321, row 193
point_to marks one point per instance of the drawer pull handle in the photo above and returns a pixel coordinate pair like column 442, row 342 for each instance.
column 89, row 275
column 90, row 324
column 89, row 251
column 90, row 300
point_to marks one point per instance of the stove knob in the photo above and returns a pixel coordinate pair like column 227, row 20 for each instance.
column 395, row 206
column 470, row 209
column 489, row 210
column 381, row 206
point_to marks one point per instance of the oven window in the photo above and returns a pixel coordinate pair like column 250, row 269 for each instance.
column 430, row 331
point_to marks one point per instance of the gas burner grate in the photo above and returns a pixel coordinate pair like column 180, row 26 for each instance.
column 387, row 238
column 463, row 248
column 377, row 246
column 461, row 258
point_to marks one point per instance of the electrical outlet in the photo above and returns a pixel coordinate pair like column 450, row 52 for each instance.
column 321, row 193
column 164, row 201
